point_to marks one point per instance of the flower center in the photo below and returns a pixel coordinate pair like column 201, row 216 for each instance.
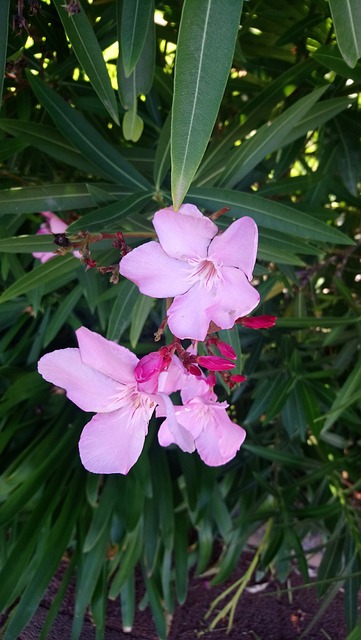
column 206, row 270
column 128, row 395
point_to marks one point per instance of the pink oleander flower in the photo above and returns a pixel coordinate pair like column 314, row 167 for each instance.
column 100, row 376
column 53, row 224
column 216, row 438
column 208, row 273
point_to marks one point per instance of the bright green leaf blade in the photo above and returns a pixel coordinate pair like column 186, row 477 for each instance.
column 4, row 29
column 205, row 49
column 141, row 79
column 140, row 313
column 162, row 155
column 346, row 396
column 267, row 213
column 87, row 49
column 346, row 15
column 86, row 138
column 266, row 140
column 43, row 274
column 136, row 15
column 121, row 313
column 61, row 315
column 133, row 126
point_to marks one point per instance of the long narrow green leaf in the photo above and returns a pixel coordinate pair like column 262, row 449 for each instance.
column 108, row 217
column 205, row 49
column 267, row 213
column 52, row 554
column 87, row 49
column 57, row 197
column 10, row 147
column 121, row 313
column 267, row 139
column 134, row 26
column 86, row 138
column 4, row 29
column 127, row 600
column 45, row 273
column 28, row 244
column 91, row 565
column 162, row 155
column 317, row 116
column 346, row 15
column 140, row 313
column 61, row 315
column 330, row 57
column 48, row 140
column 256, row 111
column 346, row 396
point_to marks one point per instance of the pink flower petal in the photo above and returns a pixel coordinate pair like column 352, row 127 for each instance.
column 113, row 442
column 106, row 356
column 220, row 440
column 194, row 387
column 154, row 272
column 90, row 390
column 188, row 314
column 234, row 294
column 173, row 378
column 237, row 246
column 182, row 234
column 172, row 432
column 56, row 225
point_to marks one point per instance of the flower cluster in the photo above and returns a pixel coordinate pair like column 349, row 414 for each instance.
column 208, row 274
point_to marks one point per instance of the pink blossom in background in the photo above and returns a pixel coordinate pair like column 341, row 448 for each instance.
column 207, row 273
column 53, row 224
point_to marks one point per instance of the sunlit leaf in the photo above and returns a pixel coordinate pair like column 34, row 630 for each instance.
column 205, row 49
column 86, row 48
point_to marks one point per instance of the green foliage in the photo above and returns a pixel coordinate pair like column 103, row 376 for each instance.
column 276, row 138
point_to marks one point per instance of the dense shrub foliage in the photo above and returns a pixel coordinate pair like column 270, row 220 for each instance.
column 109, row 115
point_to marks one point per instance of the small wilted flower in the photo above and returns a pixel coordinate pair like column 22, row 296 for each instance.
column 72, row 7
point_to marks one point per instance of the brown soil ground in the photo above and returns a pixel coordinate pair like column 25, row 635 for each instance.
column 258, row 616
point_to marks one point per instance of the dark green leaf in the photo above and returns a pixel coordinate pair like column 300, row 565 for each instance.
column 86, row 138
column 267, row 213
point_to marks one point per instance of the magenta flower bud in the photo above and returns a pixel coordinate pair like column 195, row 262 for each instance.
column 148, row 369
column 226, row 350
column 194, row 370
column 258, row 322
column 215, row 363
column 238, row 378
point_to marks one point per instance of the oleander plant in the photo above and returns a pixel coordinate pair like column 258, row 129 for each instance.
column 180, row 309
